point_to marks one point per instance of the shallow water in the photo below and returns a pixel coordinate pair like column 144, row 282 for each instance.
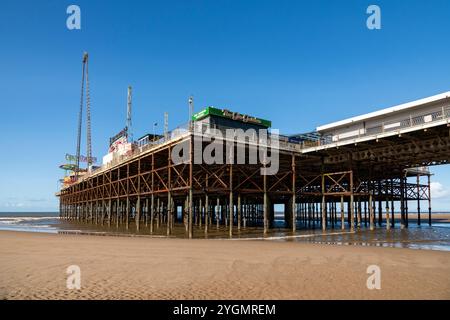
column 436, row 237
column 29, row 222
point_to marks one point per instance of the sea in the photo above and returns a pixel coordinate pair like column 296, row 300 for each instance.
column 423, row 237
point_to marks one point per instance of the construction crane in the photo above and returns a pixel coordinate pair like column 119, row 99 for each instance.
column 84, row 79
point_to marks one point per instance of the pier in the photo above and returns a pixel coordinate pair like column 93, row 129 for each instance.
column 355, row 173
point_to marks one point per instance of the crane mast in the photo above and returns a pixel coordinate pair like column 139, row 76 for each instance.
column 84, row 90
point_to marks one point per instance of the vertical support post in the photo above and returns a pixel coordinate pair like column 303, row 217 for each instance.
column 371, row 213
column 104, row 213
column 406, row 202
column 138, row 213
column 169, row 213
column 365, row 213
column 266, row 205
column 137, row 216
column 191, row 182
column 418, row 199
column 206, row 204
column 117, row 212
column 342, row 214
column 206, row 213
column 127, row 213
column 386, row 189
column 147, row 212
column 392, row 204
column 200, row 212
column 91, row 211
column 152, row 212
column 169, row 192
column 158, row 213
column 239, row 212
column 352, row 205
column 294, row 200
column 217, row 213
column 95, row 211
column 358, row 217
column 231, row 204
column 173, row 214
column 152, row 199
column 330, row 206
column 324, row 207
column 388, row 223
column 429, row 199
column 109, row 212
column 380, row 205
column 402, row 202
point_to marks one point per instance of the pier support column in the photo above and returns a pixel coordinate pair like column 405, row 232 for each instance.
column 332, row 212
column 200, row 213
column 388, row 223
column 352, row 204
column 231, row 203
column 127, row 213
column 191, row 185
column 152, row 212
column 239, row 212
column 158, row 213
column 392, row 204
column 266, row 205
column 96, row 212
column 371, row 213
column 147, row 212
column 380, row 205
column 103, row 212
column 359, row 216
column 117, row 212
column 352, row 213
column 429, row 200
column 206, row 212
column 217, row 213
column 365, row 213
column 342, row 214
column 109, row 212
column 402, row 203
column 169, row 213
column 294, row 200
column 190, row 214
column 324, row 205
column 418, row 200
column 392, row 213
column 324, row 214
column 91, row 212
column 138, row 213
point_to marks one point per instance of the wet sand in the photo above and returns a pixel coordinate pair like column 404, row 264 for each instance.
column 33, row 266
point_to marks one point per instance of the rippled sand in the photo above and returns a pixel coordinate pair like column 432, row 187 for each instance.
column 33, row 266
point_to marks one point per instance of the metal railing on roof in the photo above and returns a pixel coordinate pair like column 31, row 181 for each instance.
column 394, row 126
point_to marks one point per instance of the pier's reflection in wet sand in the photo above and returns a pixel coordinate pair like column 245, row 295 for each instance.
column 435, row 237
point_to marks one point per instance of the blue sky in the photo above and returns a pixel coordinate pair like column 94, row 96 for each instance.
column 298, row 63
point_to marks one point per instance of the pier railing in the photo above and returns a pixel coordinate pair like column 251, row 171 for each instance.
column 394, row 126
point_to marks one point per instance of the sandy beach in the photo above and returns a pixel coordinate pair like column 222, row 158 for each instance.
column 33, row 266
